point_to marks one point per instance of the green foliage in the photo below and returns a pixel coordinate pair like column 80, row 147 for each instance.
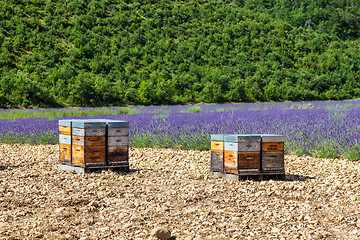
column 161, row 116
column 194, row 109
column 353, row 153
column 106, row 53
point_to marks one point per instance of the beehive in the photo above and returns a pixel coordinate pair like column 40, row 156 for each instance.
column 242, row 153
column 65, row 138
column 88, row 143
column 272, row 155
column 94, row 143
column 217, row 153
column 118, row 143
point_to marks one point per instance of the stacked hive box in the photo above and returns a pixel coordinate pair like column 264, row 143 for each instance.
column 217, row 152
column 242, row 153
column 88, row 143
column 94, row 143
column 272, row 155
column 118, row 143
column 65, row 141
column 245, row 155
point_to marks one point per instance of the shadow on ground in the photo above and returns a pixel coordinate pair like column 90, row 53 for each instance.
column 295, row 177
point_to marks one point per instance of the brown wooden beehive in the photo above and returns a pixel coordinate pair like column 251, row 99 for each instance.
column 88, row 143
column 248, row 156
column 94, row 144
column 88, row 156
column 118, row 143
column 242, row 153
column 272, row 156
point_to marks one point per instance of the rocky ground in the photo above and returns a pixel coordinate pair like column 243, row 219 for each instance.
column 320, row 198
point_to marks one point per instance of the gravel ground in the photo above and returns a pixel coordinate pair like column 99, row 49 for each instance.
column 320, row 198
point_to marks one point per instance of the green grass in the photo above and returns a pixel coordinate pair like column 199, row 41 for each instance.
column 12, row 114
column 42, row 138
column 161, row 116
column 183, row 141
column 193, row 110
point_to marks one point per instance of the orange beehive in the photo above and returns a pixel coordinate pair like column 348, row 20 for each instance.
column 89, row 143
column 65, row 141
column 94, row 144
column 88, row 156
column 217, row 153
column 242, row 153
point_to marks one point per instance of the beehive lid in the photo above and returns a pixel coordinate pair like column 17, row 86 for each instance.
column 273, row 138
column 93, row 123
column 88, row 123
column 242, row 138
column 217, row 137
column 116, row 123
column 66, row 122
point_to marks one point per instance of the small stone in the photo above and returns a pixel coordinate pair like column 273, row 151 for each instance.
column 127, row 226
column 59, row 209
column 160, row 233
column 104, row 229
column 358, row 223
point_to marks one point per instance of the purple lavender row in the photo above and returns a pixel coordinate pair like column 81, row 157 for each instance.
column 325, row 129
column 221, row 107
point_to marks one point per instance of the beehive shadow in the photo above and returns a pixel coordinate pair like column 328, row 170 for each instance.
column 297, row 178
column 135, row 170
column 149, row 170
column 4, row 167
column 277, row 177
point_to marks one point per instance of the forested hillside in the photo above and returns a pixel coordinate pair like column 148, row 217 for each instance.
column 118, row 52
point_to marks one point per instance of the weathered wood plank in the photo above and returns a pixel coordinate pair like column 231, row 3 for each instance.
column 88, row 141
column 217, row 161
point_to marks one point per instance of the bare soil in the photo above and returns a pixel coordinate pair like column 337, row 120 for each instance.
column 320, row 198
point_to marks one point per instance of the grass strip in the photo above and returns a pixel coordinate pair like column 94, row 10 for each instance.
column 12, row 114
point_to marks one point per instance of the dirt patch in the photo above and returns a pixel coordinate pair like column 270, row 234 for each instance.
column 320, row 198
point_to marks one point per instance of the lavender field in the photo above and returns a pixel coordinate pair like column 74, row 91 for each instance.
column 321, row 129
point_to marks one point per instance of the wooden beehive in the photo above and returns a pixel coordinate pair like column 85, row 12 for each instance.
column 118, row 143
column 94, row 144
column 272, row 155
column 88, row 143
column 242, row 153
column 217, row 153
column 65, row 141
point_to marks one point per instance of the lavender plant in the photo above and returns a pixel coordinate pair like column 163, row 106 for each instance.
column 322, row 129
